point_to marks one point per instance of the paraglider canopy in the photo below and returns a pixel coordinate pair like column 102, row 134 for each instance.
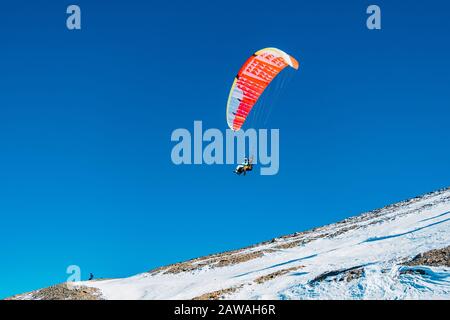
column 251, row 81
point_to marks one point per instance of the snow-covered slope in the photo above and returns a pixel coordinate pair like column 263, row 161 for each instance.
column 375, row 255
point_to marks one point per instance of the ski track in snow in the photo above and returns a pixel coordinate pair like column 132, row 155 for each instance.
column 379, row 242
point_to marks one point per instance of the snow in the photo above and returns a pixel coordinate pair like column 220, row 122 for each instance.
column 377, row 243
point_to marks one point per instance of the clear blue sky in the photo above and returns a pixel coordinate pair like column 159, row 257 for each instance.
column 86, row 118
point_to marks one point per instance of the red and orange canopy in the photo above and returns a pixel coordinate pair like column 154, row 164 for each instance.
column 251, row 81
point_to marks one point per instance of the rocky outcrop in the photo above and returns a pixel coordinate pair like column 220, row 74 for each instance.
column 219, row 294
column 64, row 291
column 276, row 274
column 432, row 258
column 347, row 275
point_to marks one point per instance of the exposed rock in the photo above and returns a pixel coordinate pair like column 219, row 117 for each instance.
column 290, row 244
column 413, row 271
column 219, row 294
column 238, row 258
column 433, row 258
column 276, row 274
column 218, row 261
column 63, row 291
column 353, row 275
column 348, row 275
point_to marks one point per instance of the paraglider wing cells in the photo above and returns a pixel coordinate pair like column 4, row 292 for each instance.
column 251, row 81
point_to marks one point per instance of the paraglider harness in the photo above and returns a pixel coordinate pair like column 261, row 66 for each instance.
column 243, row 168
